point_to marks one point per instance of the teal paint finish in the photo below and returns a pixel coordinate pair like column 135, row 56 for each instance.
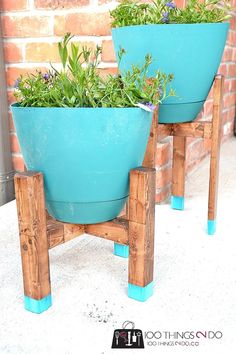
column 140, row 293
column 177, row 202
column 192, row 52
column 38, row 306
column 85, row 155
column 121, row 250
column 211, row 227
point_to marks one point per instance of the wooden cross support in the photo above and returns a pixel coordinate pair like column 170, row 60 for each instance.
column 206, row 130
column 133, row 234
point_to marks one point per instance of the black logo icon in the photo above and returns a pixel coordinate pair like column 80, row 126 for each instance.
column 128, row 338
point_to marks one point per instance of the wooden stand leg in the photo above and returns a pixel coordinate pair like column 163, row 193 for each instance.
column 141, row 233
column 178, row 172
column 150, row 162
column 215, row 154
column 33, row 240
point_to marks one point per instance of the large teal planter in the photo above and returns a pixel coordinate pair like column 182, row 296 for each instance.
column 192, row 52
column 85, row 155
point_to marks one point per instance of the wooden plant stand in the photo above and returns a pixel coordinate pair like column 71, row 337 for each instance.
column 133, row 233
column 206, row 130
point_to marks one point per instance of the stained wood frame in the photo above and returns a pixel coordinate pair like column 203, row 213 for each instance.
column 202, row 129
column 39, row 232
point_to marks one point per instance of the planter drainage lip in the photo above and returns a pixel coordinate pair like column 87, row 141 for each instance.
column 86, row 213
column 173, row 25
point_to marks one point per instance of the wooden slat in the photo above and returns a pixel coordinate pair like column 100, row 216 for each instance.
column 178, row 170
column 115, row 230
column 59, row 232
column 192, row 130
column 141, row 226
column 189, row 130
column 150, row 155
column 215, row 146
column 33, row 234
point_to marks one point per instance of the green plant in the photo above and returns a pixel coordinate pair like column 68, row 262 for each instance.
column 79, row 84
column 130, row 12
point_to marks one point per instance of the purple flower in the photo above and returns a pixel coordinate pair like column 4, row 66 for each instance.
column 165, row 17
column 46, row 77
column 17, row 82
column 170, row 4
column 150, row 105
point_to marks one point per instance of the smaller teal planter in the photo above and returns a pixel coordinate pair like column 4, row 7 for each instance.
column 192, row 52
column 85, row 155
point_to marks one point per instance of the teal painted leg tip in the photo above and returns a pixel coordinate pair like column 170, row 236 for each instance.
column 121, row 250
column 140, row 293
column 38, row 306
column 211, row 227
column 177, row 202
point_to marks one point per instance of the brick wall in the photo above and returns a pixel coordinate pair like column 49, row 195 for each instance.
column 31, row 30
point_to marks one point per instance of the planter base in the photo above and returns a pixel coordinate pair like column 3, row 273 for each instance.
column 86, row 213
column 179, row 113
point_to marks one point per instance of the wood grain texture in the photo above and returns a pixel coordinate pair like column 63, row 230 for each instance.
column 33, row 234
column 150, row 155
column 178, row 170
column 141, row 225
column 115, row 230
column 215, row 146
column 190, row 130
column 59, row 232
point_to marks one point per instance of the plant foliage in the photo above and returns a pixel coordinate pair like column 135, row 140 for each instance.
column 79, row 84
column 130, row 12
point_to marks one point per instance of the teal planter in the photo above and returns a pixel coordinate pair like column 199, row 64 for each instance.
column 192, row 52
column 85, row 155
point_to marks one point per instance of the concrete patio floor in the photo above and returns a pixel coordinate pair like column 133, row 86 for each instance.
column 195, row 281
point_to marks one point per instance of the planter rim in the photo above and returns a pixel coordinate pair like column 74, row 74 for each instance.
column 175, row 25
column 16, row 105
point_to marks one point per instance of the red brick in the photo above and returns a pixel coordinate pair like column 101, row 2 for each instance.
column 108, row 53
column 208, row 107
column 14, row 143
column 163, row 177
column 227, row 56
column 13, row 5
column 108, row 71
column 229, row 100
column 11, row 124
column 56, row 4
column 233, row 23
column 10, row 97
column 26, row 26
column 163, row 153
column 232, row 70
column 40, row 52
column 163, row 194
column 18, row 163
column 234, row 54
column 47, row 52
column 223, row 69
column 93, row 24
column 231, row 38
column 12, row 53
